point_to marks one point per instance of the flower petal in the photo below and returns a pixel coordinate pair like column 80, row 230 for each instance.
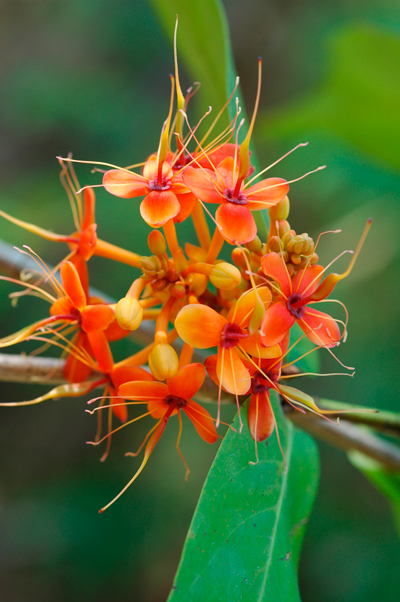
column 101, row 350
column 187, row 203
column 254, row 346
column 96, row 317
column 199, row 326
column 143, row 390
column 74, row 370
column 187, row 381
column 274, row 266
column 276, row 323
column 307, row 281
column 320, row 328
column 204, row 184
column 126, row 373
column 232, row 372
column 202, row 421
column 236, row 223
column 261, row 417
column 158, row 207
column 123, row 184
column 266, row 193
column 72, row 284
column 242, row 310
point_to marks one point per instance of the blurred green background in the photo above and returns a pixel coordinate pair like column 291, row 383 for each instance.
column 92, row 77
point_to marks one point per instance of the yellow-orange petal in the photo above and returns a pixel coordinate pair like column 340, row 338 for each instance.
column 242, row 310
column 87, row 242
column 319, row 327
column 261, row 417
column 74, row 370
column 61, row 307
column 236, row 223
column 101, row 350
column 266, row 193
column 123, row 184
column 96, row 317
column 231, row 372
column 150, row 168
column 307, row 281
column 202, row 421
column 72, row 284
column 276, row 323
column 127, row 373
column 187, row 202
column 199, row 326
column 143, row 390
column 204, row 184
column 158, row 207
column 187, row 381
column 119, row 408
column 273, row 265
column 89, row 201
column 254, row 346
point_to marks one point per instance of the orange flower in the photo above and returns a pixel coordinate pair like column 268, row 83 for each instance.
column 166, row 195
column 202, row 327
column 166, row 400
column 225, row 187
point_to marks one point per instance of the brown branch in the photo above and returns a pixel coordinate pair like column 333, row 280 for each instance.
column 347, row 436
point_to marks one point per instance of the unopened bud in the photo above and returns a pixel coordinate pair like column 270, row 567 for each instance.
column 178, row 290
column 163, row 361
column 275, row 244
column 156, row 242
column 280, row 211
column 225, row 276
column 129, row 313
column 159, row 285
column 150, row 265
column 254, row 245
column 238, row 259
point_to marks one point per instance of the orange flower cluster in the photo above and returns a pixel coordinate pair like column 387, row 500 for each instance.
column 242, row 310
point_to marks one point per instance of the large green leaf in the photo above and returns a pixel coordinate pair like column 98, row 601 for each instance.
column 246, row 534
column 385, row 480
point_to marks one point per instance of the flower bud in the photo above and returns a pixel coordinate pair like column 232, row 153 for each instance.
column 225, row 276
column 178, row 290
column 156, row 242
column 163, row 361
column 129, row 313
column 275, row 244
column 280, row 211
column 254, row 245
column 238, row 259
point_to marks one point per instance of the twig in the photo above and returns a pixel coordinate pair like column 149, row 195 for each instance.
column 347, row 436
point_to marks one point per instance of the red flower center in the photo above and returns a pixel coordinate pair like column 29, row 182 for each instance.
column 155, row 185
column 231, row 335
column 178, row 402
column 295, row 306
column 237, row 199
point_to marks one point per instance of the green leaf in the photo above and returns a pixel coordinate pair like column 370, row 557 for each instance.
column 309, row 363
column 358, row 102
column 203, row 44
column 245, row 538
column 385, row 480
